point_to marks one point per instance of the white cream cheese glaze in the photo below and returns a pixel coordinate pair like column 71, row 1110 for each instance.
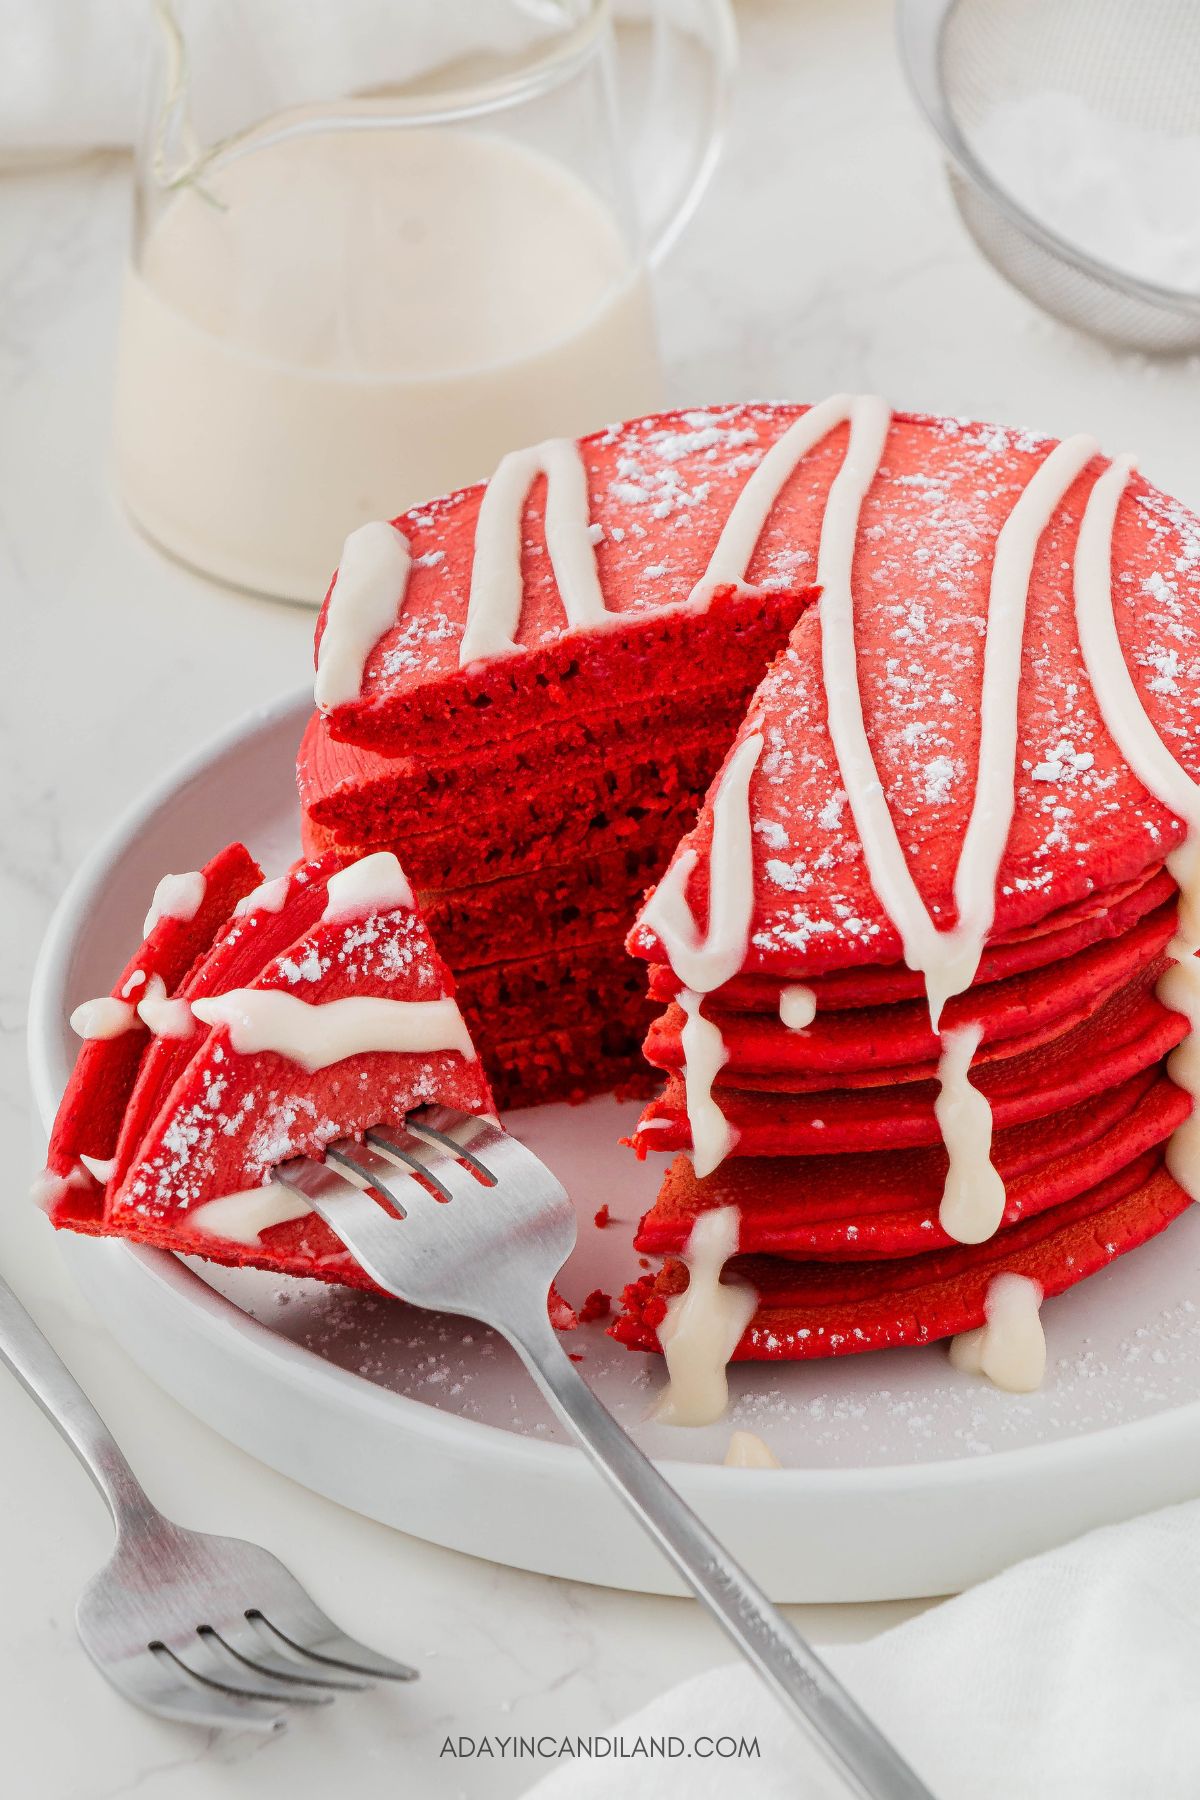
column 1133, row 732
column 103, row 1018
column 164, row 1017
column 797, row 1006
column 947, row 958
column 368, row 593
column 243, row 1217
column 703, row 1324
column 973, row 1198
column 497, row 583
column 747, row 1451
column 102, row 1168
column 176, row 897
column 705, row 963
column 1011, row 1348
column 315, row 1036
column 704, row 1056
column 730, row 561
column 268, row 897
column 373, row 884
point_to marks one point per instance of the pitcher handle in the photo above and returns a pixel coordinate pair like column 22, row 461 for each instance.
column 675, row 142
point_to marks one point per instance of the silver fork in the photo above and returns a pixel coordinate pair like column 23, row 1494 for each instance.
column 491, row 1255
column 209, row 1630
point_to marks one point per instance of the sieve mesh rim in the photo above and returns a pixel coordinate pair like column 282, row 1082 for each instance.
column 920, row 28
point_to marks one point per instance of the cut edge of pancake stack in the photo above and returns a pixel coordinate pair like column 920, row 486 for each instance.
column 532, row 811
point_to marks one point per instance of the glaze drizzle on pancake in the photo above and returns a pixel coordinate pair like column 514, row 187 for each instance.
column 707, row 963
column 947, row 958
column 973, row 1198
column 704, row 1055
column 318, row 1035
column 797, row 1006
column 1139, row 742
column 1011, row 1348
column 703, row 1324
column 368, row 592
column 497, row 587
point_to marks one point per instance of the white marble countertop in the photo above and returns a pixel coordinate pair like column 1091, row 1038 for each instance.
column 826, row 255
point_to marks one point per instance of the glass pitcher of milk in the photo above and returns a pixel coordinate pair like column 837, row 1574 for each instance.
column 379, row 243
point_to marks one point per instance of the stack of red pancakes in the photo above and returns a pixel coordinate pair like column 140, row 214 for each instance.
column 832, row 1152
column 534, row 785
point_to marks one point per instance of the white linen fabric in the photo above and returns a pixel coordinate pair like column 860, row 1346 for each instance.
column 1073, row 1676
column 72, row 72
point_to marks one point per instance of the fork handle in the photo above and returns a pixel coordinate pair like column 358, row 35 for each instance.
column 786, row 1663
column 43, row 1373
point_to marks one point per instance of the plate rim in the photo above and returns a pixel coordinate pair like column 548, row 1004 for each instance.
column 296, row 1363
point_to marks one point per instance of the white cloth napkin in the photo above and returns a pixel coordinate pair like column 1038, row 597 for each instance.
column 1074, row 1676
column 72, row 71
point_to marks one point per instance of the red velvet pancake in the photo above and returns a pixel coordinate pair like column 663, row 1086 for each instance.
column 865, row 1205
column 875, row 1043
column 208, row 1119
column 1082, row 825
column 362, row 794
column 92, row 1108
column 827, row 1309
column 581, row 903
column 249, row 941
column 1052, row 939
column 1129, row 1034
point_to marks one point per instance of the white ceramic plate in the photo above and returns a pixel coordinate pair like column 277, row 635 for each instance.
column 901, row 1477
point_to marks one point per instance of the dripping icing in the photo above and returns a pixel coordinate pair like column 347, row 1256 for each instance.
column 1011, row 1348
column 946, row 958
column 797, row 1007
column 176, row 897
column 103, row 1168
column 704, row 1055
column 372, row 884
column 703, row 964
column 1135, row 735
column 103, row 1018
column 703, row 1324
column 243, row 1217
column 747, row 1451
column 973, row 1198
column 978, row 866
column 268, row 897
column 164, row 1017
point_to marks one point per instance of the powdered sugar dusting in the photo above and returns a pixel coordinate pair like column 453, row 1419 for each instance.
column 244, row 1114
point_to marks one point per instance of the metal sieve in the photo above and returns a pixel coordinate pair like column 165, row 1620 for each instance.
column 1136, row 62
